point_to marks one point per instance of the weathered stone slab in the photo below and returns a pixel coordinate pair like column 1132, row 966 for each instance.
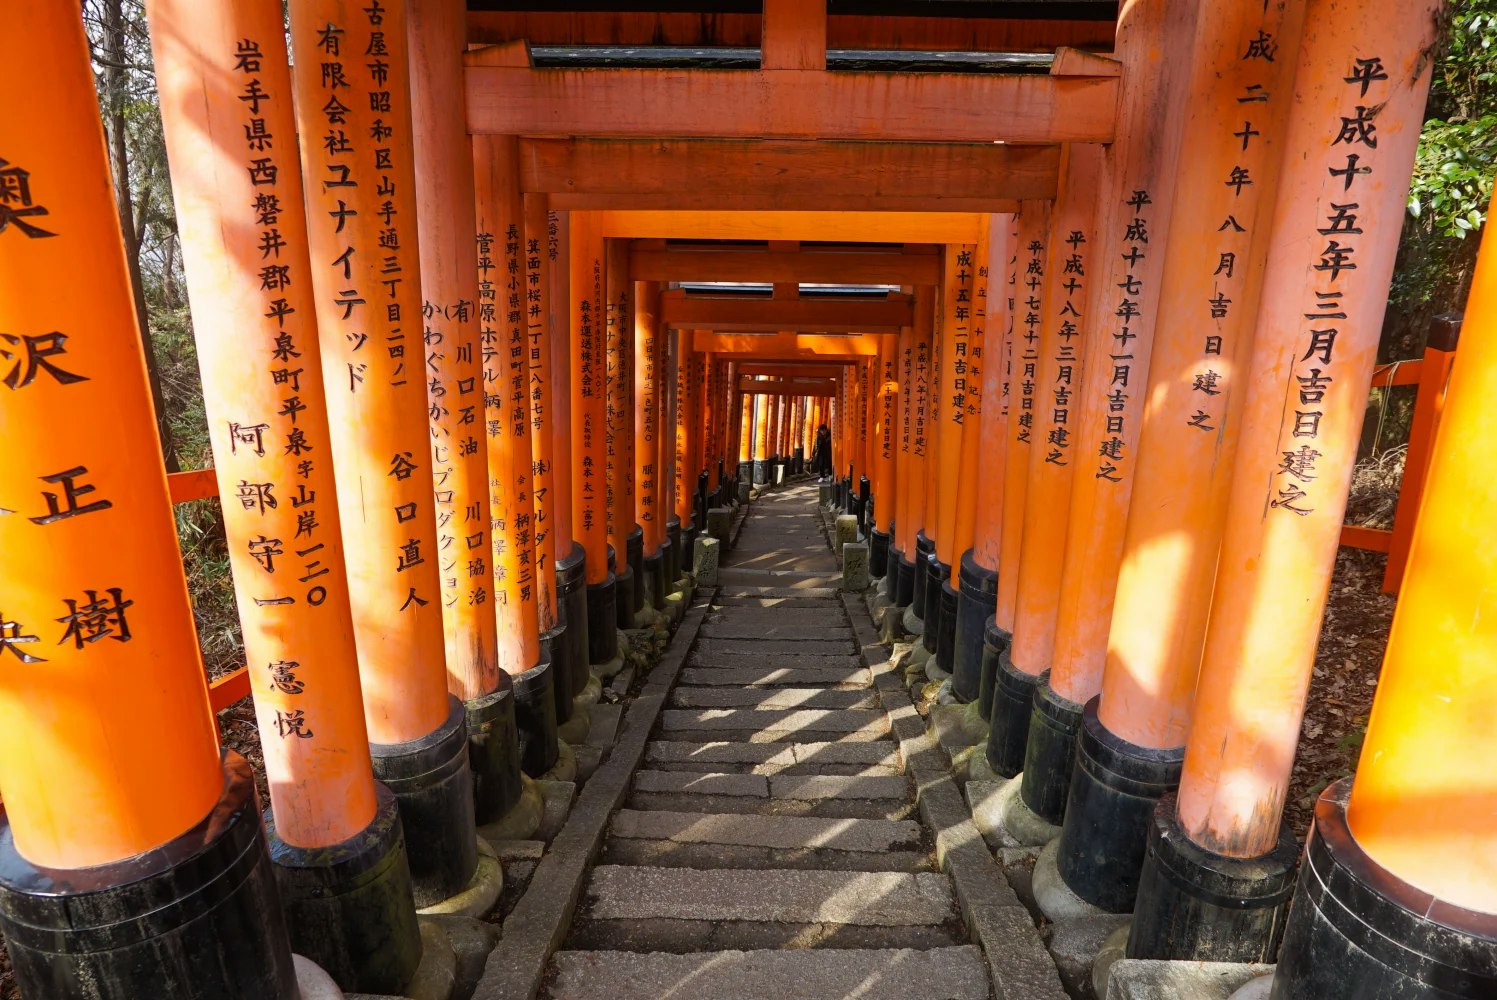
column 704, row 561
column 830, row 786
column 769, row 647
column 809, row 720
column 807, row 974
column 856, row 576
column 783, row 832
column 888, row 899
column 743, row 677
column 693, row 783
column 714, row 697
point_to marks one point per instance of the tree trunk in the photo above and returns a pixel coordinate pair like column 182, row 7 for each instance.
column 116, row 97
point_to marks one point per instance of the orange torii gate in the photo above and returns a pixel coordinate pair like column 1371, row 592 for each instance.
column 1155, row 425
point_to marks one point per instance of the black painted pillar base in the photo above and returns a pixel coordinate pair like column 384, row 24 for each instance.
column 905, row 580
column 634, row 551
column 349, row 906
column 1356, row 931
column 623, row 598
column 995, row 643
column 673, row 554
column 745, row 475
column 891, row 575
column 798, row 464
column 433, row 786
column 1050, row 753
column 571, row 599
column 937, row 576
column 494, row 752
column 602, row 621
column 197, row 917
column 535, row 716
column 878, row 554
column 554, row 648
column 759, row 471
column 1109, row 810
column 946, row 625
column 924, row 549
column 653, row 571
column 1197, row 905
column 687, row 550
column 977, row 599
column 1008, row 726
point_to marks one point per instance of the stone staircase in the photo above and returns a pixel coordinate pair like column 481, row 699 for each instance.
column 770, row 845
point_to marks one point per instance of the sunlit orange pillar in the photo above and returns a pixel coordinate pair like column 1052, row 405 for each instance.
column 559, row 558
column 356, row 155
column 1154, row 44
column 561, row 600
column 772, row 439
column 518, row 569
column 955, row 323
column 921, row 379
column 885, row 445
column 1058, row 360
column 762, row 410
column 589, row 445
column 651, row 476
column 624, row 531
column 1334, row 238
column 108, row 753
column 1420, row 829
column 1177, row 433
column 1026, row 293
column 326, row 809
column 980, row 506
column 481, row 436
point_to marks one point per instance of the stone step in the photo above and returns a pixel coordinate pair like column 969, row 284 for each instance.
column 783, row 591
column 954, row 973
column 675, row 854
column 728, row 628
column 775, row 661
column 755, row 602
column 773, row 758
column 708, row 648
column 843, row 721
column 789, row 580
column 716, row 697
column 869, row 899
column 772, row 677
column 807, row 788
column 780, row 832
column 738, row 614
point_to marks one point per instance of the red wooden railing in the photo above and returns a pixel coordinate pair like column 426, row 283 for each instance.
column 1431, row 374
column 200, row 484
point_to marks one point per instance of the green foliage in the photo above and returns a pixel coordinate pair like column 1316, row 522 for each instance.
column 1453, row 171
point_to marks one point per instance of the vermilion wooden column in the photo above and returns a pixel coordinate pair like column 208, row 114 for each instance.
column 624, row 531
column 651, row 476
column 560, row 559
column 922, row 374
column 1334, row 238
column 975, row 575
column 449, row 310
column 1135, row 205
column 326, row 811
column 1027, row 287
column 354, row 123
column 1207, row 301
column 885, row 445
column 1053, row 360
column 761, row 436
column 1428, row 740
column 589, row 374
column 521, row 580
column 967, row 312
column 108, row 753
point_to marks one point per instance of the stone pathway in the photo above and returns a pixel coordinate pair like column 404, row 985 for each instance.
column 770, row 845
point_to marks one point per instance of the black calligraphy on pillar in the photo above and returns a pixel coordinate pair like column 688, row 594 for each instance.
column 1325, row 316
column 1033, row 281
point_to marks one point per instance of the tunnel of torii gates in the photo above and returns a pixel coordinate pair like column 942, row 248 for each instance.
column 473, row 382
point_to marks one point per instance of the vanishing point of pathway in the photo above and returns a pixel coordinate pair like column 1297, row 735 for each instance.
column 770, row 845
